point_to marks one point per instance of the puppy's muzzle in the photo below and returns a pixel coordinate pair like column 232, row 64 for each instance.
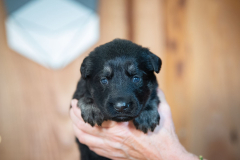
column 120, row 104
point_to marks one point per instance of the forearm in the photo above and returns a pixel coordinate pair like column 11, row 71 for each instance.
column 168, row 148
column 180, row 153
column 174, row 153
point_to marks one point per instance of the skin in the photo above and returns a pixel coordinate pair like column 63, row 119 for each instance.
column 121, row 141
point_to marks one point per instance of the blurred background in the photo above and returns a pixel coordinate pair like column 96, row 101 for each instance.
column 197, row 40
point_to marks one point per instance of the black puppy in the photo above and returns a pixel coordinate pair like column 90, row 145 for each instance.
column 118, row 83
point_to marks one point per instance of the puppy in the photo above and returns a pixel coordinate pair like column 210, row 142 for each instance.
column 118, row 83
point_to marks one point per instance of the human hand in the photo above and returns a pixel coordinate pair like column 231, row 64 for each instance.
column 123, row 141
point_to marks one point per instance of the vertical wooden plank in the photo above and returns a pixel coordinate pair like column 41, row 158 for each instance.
column 215, row 38
column 147, row 23
column 178, row 66
column 202, row 80
column 114, row 19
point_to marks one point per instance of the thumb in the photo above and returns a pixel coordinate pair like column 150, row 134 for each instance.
column 163, row 105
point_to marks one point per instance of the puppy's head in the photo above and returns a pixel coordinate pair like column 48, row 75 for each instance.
column 120, row 78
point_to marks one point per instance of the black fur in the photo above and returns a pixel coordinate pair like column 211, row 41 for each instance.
column 118, row 83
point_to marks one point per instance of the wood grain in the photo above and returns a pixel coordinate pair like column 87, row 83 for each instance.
column 198, row 42
column 202, row 75
column 148, row 29
column 215, row 38
column 178, row 66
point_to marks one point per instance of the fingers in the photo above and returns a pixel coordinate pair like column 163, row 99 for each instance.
column 164, row 111
column 97, row 144
column 75, row 108
column 161, row 95
column 74, row 102
column 81, row 125
column 75, row 119
column 100, row 151
column 87, row 139
column 163, row 106
column 109, row 154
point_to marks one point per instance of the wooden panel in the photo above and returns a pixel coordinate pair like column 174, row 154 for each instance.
column 202, row 75
column 178, row 67
column 147, row 29
column 114, row 19
column 215, row 38
column 34, row 101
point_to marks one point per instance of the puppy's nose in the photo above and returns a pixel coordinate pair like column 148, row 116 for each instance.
column 121, row 106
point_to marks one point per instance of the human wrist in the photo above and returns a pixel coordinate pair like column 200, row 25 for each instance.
column 189, row 156
column 175, row 151
column 180, row 153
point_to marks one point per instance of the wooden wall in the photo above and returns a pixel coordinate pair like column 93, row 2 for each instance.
column 203, row 75
column 199, row 43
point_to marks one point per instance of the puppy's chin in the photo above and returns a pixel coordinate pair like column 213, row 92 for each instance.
column 122, row 119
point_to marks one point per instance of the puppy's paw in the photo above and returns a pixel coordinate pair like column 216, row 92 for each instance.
column 147, row 120
column 90, row 113
column 92, row 117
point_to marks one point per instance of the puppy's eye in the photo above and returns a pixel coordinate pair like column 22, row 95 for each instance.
column 104, row 81
column 136, row 79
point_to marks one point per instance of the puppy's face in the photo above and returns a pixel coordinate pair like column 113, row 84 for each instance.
column 119, row 83
column 120, row 89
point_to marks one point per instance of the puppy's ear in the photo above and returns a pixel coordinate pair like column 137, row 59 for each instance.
column 156, row 62
column 85, row 68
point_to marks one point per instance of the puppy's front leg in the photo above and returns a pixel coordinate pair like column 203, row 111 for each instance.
column 149, row 118
column 89, row 112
